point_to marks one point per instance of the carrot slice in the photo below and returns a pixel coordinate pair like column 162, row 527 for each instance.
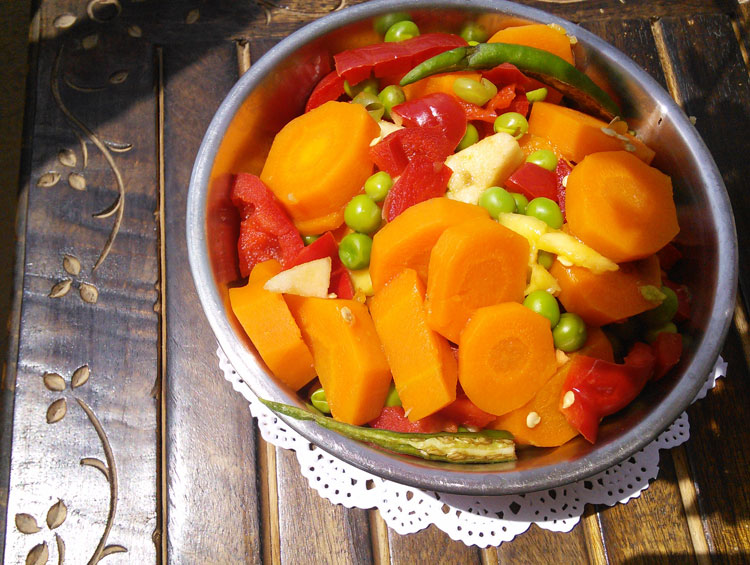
column 505, row 356
column 269, row 324
column 620, row 206
column 319, row 161
column 407, row 241
column 436, row 83
column 423, row 366
column 540, row 36
column 473, row 264
column 348, row 356
column 539, row 422
column 609, row 296
column 577, row 134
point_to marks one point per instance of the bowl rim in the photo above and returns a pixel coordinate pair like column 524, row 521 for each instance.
column 406, row 470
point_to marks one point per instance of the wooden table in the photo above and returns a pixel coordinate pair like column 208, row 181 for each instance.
column 121, row 438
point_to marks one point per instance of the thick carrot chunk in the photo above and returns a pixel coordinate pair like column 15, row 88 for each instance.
column 423, row 366
column 269, row 324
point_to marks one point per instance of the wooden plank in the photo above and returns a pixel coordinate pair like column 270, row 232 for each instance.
column 212, row 510
column 97, row 457
column 542, row 546
column 430, row 545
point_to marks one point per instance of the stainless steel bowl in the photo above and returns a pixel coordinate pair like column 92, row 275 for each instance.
column 273, row 92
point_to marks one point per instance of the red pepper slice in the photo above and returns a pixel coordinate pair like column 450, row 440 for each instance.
column 496, row 106
column 533, row 181
column 422, row 179
column 266, row 232
column 392, row 59
column 326, row 246
column 393, row 418
column 667, row 351
column 601, row 388
column 668, row 256
column 330, row 87
column 394, row 152
column 437, row 110
column 505, row 74
column 562, row 170
column 464, row 412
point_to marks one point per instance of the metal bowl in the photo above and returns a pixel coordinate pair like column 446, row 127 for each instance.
column 273, row 91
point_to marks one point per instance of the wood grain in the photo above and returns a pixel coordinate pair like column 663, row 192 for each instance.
column 212, row 508
column 430, row 545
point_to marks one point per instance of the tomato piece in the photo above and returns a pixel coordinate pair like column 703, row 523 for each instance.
column 330, row 87
column 667, row 351
column 395, row 151
column 533, row 181
column 437, row 110
column 266, row 232
column 422, row 179
column 393, row 418
column 326, row 246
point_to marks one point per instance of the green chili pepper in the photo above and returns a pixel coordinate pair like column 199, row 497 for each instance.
column 487, row 446
column 536, row 63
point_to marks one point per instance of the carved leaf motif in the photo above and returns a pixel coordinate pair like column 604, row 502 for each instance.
column 118, row 147
column 110, row 549
column 77, row 181
column 89, row 293
column 90, row 41
column 38, row 555
column 71, row 265
column 192, row 16
column 118, row 77
column 80, row 376
column 26, row 524
column 54, row 382
column 134, row 31
column 64, row 21
column 48, row 179
column 56, row 411
column 67, row 157
column 97, row 464
column 56, row 514
column 60, row 289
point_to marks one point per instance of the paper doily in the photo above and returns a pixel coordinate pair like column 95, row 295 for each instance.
column 475, row 520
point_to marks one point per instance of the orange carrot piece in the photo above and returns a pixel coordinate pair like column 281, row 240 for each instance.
column 407, row 241
column 319, row 161
column 436, row 83
column 473, row 264
column 424, row 369
column 610, row 296
column 620, row 206
column 540, row 36
column 348, row 356
column 552, row 428
column 505, row 356
column 269, row 324
column 530, row 143
column 578, row 134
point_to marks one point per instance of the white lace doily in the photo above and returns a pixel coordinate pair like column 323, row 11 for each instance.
column 475, row 520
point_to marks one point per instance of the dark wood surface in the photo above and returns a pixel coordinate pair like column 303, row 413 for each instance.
column 155, row 428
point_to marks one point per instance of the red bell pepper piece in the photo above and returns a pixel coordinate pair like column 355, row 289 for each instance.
column 393, row 418
column 684, row 298
column 422, row 179
column 394, row 58
column 223, row 225
column 667, row 351
column 266, row 232
column 326, row 246
column 520, row 104
column 330, row 87
column 394, row 152
column 562, row 170
column 496, row 106
column 668, row 256
column 463, row 412
column 437, row 110
column 533, row 181
column 505, row 74
column 601, row 388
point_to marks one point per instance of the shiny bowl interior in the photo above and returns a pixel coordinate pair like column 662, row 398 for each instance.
column 274, row 91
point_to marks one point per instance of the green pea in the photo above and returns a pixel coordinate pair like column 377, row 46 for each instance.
column 308, row 239
column 664, row 312
column 543, row 158
column 537, row 95
column 354, row 251
column 470, row 137
column 472, row 44
column 382, row 23
column 378, row 185
column 542, row 302
column 391, row 96
column 546, row 210
column 369, row 85
column 393, row 399
column 362, row 214
column 545, row 258
column 652, row 333
column 496, row 201
column 472, row 31
column 521, row 202
column 401, row 31
column 474, row 91
column 319, row 400
column 371, row 103
column 570, row 332
column 511, row 123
